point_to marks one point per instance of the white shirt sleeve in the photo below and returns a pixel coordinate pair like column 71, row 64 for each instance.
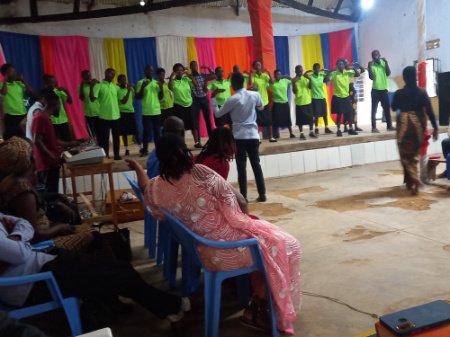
column 11, row 251
column 226, row 108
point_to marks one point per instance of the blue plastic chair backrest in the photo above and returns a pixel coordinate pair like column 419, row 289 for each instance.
column 190, row 241
column 135, row 187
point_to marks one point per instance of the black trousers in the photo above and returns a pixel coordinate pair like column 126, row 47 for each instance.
column 381, row 96
column 49, row 180
column 104, row 127
column 63, row 132
column 250, row 148
column 151, row 126
column 99, row 279
column 12, row 125
column 92, row 123
column 202, row 103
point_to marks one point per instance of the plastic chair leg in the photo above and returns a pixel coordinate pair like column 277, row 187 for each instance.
column 171, row 262
column 72, row 310
column 213, row 292
column 190, row 276
column 150, row 224
column 243, row 289
column 163, row 242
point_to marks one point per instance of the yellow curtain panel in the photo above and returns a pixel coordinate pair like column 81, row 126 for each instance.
column 192, row 50
column 115, row 55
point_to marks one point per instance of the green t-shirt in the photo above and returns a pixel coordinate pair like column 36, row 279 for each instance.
column 261, row 82
column 13, row 100
column 107, row 93
column 62, row 118
column 167, row 101
column 150, row 99
column 91, row 109
column 317, row 86
column 379, row 71
column 182, row 91
column 303, row 95
column 245, row 80
column 341, row 82
column 128, row 106
column 222, row 96
column 279, row 90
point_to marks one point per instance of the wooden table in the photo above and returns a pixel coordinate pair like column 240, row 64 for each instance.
column 91, row 170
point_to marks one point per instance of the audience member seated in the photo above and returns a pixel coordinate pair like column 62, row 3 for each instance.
column 218, row 152
column 18, row 197
column 207, row 204
column 89, row 278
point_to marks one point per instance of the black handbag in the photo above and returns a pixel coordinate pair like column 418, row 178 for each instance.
column 116, row 244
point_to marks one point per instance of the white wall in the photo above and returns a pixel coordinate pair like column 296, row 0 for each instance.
column 391, row 27
column 185, row 21
column 438, row 27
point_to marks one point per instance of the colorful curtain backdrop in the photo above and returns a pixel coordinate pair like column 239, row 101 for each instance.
column 24, row 52
column 139, row 53
column 115, row 56
column 65, row 57
column 231, row 51
column 191, row 50
column 282, row 54
column 171, row 50
column 31, row 55
column 97, row 58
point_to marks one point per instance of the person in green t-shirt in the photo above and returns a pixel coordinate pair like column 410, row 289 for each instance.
column 166, row 102
column 378, row 72
column 221, row 92
column 281, row 110
column 106, row 92
column 150, row 92
column 237, row 70
column 91, row 106
column 301, row 87
column 61, row 122
column 319, row 103
column 181, row 83
column 259, row 80
column 128, row 125
column 13, row 89
column 341, row 103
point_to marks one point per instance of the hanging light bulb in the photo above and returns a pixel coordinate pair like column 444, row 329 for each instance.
column 142, row 3
column 367, row 4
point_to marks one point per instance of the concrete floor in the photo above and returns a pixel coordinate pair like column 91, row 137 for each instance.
column 366, row 242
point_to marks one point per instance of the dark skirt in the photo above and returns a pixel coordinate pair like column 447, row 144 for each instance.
column 281, row 115
column 319, row 107
column 224, row 120
column 166, row 113
column 303, row 114
column 128, row 124
column 264, row 117
column 187, row 115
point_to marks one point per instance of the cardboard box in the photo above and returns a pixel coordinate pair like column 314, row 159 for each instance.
column 126, row 211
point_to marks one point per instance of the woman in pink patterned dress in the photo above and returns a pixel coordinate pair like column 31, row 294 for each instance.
column 208, row 205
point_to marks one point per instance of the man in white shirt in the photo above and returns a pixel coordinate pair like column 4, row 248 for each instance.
column 241, row 107
column 39, row 105
column 78, row 275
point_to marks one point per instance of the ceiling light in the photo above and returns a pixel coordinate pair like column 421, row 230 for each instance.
column 142, row 3
column 367, row 4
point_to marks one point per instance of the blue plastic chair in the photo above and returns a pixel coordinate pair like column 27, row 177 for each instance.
column 213, row 279
column 70, row 305
column 167, row 248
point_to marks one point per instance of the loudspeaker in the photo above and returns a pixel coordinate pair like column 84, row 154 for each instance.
column 444, row 97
